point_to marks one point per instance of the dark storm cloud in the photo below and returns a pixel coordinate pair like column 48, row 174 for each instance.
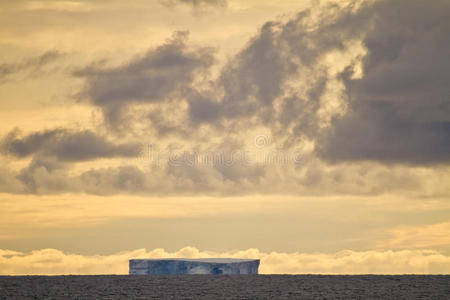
column 376, row 131
column 399, row 111
column 202, row 107
column 280, row 53
column 154, row 77
column 65, row 145
column 33, row 64
column 247, row 86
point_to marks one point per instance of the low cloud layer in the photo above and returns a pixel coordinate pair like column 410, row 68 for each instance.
column 55, row 262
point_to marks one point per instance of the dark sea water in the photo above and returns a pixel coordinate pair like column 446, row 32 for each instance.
column 225, row 287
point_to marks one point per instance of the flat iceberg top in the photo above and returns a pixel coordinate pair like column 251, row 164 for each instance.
column 206, row 260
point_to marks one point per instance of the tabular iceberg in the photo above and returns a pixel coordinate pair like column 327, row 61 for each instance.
column 193, row 266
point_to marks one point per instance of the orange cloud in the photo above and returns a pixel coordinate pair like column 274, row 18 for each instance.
column 53, row 262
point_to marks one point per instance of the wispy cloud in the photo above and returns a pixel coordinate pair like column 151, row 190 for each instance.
column 412, row 237
column 196, row 3
column 32, row 65
column 63, row 6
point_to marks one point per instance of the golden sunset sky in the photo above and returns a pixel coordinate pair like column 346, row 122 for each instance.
column 314, row 135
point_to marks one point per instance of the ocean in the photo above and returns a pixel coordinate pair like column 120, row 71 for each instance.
column 226, row 287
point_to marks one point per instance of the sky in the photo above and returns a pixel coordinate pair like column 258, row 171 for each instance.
column 314, row 135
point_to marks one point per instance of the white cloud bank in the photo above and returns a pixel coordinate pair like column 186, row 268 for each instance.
column 55, row 262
